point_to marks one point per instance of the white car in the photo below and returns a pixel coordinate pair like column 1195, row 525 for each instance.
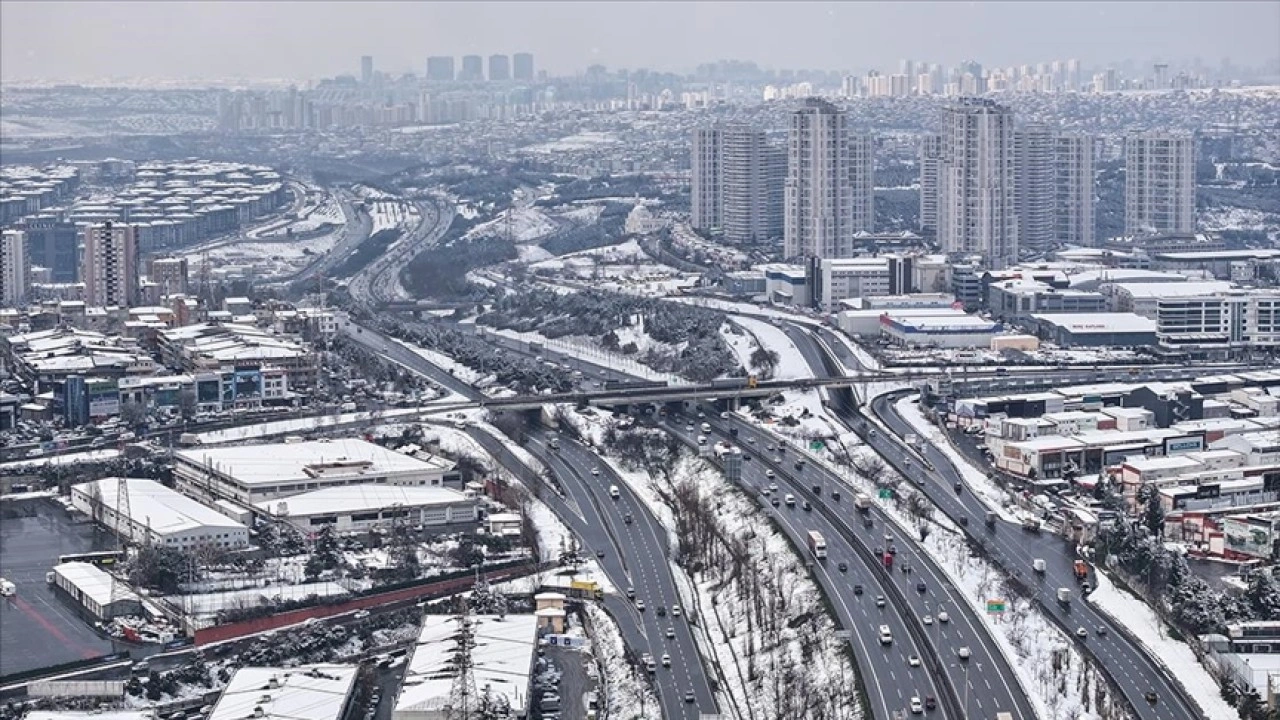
column 914, row 661
column 917, row 707
column 675, row 611
column 595, row 471
column 671, row 633
column 943, row 617
column 666, row 660
column 964, row 653
column 640, row 605
column 927, row 620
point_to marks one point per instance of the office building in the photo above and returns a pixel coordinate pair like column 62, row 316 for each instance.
column 1159, row 184
column 930, row 155
column 109, row 267
column 366, row 69
column 522, row 66
column 706, row 198
column 54, row 244
column 1073, row 214
column 829, row 189
column 752, row 176
column 472, row 69
column 976, row 211
column 1234, row 319
column 1033, row 192
column 440, row 68
column 499, row 68
column 15, row 268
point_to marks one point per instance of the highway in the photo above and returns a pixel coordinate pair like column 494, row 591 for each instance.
column 1007, row 545
column 379, row 281
column 635, row 555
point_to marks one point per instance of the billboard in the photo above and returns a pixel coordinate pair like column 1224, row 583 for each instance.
column 1185, row 444
column 104, row 397
column 1256, row 539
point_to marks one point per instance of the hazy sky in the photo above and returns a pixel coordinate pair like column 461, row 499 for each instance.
column 298, row 39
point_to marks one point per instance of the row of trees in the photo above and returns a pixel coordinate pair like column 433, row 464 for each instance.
column 515, row 371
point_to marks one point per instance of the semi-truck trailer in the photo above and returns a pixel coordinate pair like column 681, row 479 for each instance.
column 817, row 544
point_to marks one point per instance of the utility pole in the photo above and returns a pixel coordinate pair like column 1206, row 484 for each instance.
column 464, row 684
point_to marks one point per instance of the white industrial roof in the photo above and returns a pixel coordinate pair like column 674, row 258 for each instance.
column 502, row 658
column 310, row 692
column 163, row 510
column 282, row 462
column 1099, row 322
column 1176, row 289
column 359, row 498
column 93, row 581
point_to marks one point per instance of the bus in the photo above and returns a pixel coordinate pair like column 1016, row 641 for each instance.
column 104, row 557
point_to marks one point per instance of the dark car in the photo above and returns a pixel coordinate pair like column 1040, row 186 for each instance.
column 817, row 489
column 835, row 495
column 843, row 567
column 920, row 587
column 930, row 703
column 1151, row 697
column 807, row 506
column 857, row 589
column 776, row 502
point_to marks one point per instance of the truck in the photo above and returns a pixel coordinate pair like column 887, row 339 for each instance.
column 862, row 502
column 188, row 439
column 1039, row 565
column 888, row 561
column 1081, row 570
column 1004, row 716
column 817, row 544
column 991, row 519
column 1031, row 524
column 912, row 439
column 1064, row 596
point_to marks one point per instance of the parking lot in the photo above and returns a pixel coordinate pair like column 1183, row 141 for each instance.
column 37, row 627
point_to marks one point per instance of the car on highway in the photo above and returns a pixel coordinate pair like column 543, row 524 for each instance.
column 790, row 500
column 599, row 553
column 857, row 589
column 776, row 502
column 1082, row 633
column 769, row 474
column 964, row 653
column 675, row 611
column 631, row 593
column 927, row 620
column 595, row 471
column 913, row 660
column 689, row 697
column 920, row 587
column 666, row 660
column 842, row 567
column 627, row 518
column 1151, row 696
column 879, row 601
column 930, row 703
column 640, row 605
column 917, row 707
column 671, row 633
column 943, row 617
column 662, row 611
column 808, row 506
column 773, row 487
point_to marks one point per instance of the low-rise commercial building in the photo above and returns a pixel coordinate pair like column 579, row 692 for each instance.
column 360, row 508
column 314, row 692
column 256, row 473
column 960, row 331
column 502, row 659
column 1096, row 329
column 157, row 515
column 96, row 591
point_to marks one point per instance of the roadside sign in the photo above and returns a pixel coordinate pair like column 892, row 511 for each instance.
column 816, row 445
column 886, row 493
column 995, row 607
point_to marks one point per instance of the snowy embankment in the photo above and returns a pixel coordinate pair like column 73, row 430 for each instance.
column 627, row 691
column 981, row 486
column 1143, row 623
column 589, row 351
column 791, row 364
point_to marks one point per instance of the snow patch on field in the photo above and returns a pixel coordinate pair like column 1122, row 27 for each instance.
column 791, row 364
column 627, row 690
column 521, row 224
column 1140, row 620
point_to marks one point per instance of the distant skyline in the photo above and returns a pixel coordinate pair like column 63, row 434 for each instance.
column 301, row 40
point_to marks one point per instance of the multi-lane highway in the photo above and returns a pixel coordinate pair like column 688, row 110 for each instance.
column 379, row 281
column 635, row 554
column 1127, row 665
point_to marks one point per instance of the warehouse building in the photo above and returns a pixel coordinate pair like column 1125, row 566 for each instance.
column 314, row 692
column 157, row 515
column 256, row 473
column 505, row 649
column 360, row 508
column 960, row 331
column 96, row 591
column 1096, row 329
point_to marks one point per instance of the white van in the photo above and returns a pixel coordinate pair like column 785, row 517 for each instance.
column 613, row 491
column 886, row 636
column 7, row 589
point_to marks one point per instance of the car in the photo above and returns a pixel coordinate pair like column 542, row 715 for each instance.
column 689, row 697
column 599, row 553
column 790, row 500
column 842, row 567
column 361, row 614
column 688, row 428
column 1151, row 696
column 662, row 611
column 835, row 495
column 769, row 474
column 857, row 589
column 1102, row 630
column 631, row 593
column 724, row 416
column 770, row 448
column 751, row 441
column 666, row 660
column 595, row 471
column 964, row 653
column 927, row 620
column 773, row 487
column 777, row 460
column 817, row 490
column 640, row 605
column 943, row 617
column 930, row 702
column 917, row 707
column 879, row 601
column 627, row 518
column 671, row 633
column 1082, row 633
column 776, row 502
column 914, row 661
column 920, row 587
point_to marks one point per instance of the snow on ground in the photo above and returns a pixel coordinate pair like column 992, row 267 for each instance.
column 860, row 353
column 741, row 342
column 68, row 459
column 791, row 364
column 300, row 425
column 444, row 362
column 522, row 224
column 1140, row 620
column 626, row 690
column 586, row 215
column 978, row 482
column 589, row 350
column 742, row 308
column 387, row 214
column 532, row 254
column 207, row 604
column 586, row 140
column 801, row 416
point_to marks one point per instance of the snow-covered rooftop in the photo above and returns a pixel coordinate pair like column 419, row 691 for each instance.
column 310, row 692
column 161, row 509
column 1175, row 289
column 502, row 658
column 93, row 581
column 357, row 498
column 281, row 462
